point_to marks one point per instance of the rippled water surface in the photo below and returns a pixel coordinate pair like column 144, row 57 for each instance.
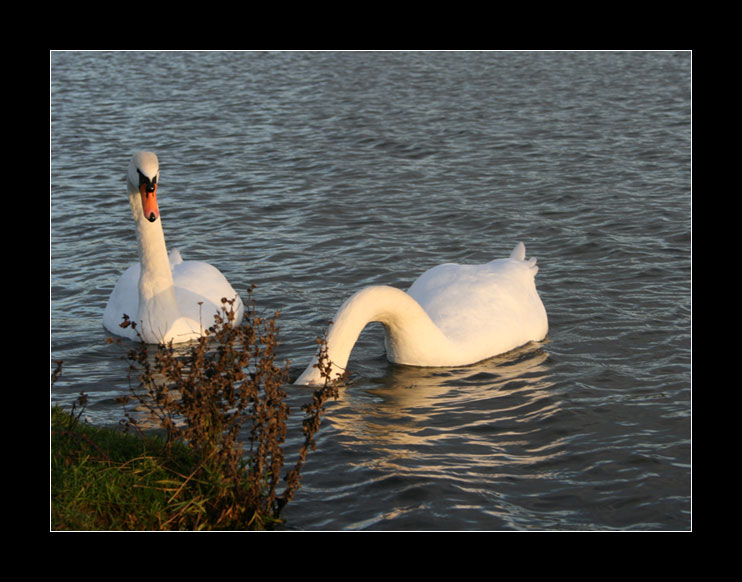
column 314, row 174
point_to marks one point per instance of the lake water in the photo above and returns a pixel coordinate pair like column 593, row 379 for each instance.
column 312, row 175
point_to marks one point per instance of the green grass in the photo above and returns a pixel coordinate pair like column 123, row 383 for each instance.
column 103, row 479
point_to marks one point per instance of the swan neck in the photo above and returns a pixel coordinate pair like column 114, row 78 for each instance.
column 157, row 300
column 151, row 242
column 404, row 320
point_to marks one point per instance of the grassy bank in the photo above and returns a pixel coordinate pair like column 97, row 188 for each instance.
column 104, row 479
column 216, row 458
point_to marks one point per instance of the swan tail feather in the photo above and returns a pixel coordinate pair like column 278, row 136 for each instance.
column 519, row 252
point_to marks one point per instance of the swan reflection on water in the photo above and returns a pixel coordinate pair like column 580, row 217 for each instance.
column 410, row 405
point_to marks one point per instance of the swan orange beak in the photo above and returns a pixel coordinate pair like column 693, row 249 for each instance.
column 149, row 202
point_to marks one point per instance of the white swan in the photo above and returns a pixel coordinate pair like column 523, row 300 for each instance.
column 168, row 298
column 453, row 315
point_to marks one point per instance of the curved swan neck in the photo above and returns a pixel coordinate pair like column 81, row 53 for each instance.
column 405, row 323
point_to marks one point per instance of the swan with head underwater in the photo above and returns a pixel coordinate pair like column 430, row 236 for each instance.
column 169, row 299
column 453, row 315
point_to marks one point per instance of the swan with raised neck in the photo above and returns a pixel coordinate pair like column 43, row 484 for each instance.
column 168, row 298
column 453, row 315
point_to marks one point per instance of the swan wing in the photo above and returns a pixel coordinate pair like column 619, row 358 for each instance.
column 486, row 309
column 124, row 299
column 199, row 289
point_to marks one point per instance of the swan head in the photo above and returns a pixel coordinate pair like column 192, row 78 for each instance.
column 143, row 176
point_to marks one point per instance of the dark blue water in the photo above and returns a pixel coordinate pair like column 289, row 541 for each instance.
column 314, row 174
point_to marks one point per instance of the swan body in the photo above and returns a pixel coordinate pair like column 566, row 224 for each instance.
column 168, row 298
column 453, row 315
